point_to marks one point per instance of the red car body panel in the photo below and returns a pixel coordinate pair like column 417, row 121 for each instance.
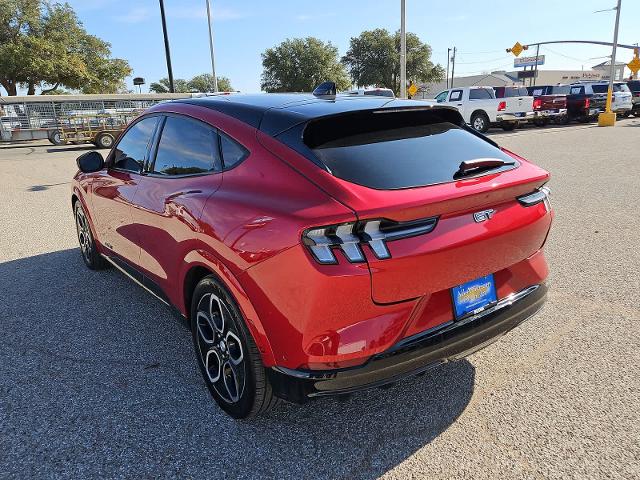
column 245, row 225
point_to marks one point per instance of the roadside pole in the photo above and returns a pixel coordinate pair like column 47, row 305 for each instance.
column 453, row 65
column 213, row 62
column 608, row 118
column 535, row 71
column 448, row 60
column 166, row 48
column 403, row 51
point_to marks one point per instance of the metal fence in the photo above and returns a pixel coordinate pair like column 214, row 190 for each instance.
column 31, row 118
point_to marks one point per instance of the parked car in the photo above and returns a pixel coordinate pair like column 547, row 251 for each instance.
column 376, row 92
column 621, row 99
column 519, row 105
column 307, row 263
column 634, row 88
column 549, row 104
column 479, row 107
column 583, row 103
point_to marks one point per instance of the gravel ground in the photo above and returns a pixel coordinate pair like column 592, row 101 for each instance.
column 98, row 379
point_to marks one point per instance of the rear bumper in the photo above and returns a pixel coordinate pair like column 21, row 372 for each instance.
column 415, row 354
column 515, row 117
column 558, row 112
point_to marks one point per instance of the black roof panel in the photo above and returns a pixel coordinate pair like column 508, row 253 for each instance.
column 273, row 113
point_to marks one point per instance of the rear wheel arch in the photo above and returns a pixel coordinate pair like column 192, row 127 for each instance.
column 199, row 267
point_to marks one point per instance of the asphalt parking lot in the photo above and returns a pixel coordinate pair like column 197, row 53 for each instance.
column 98, row 379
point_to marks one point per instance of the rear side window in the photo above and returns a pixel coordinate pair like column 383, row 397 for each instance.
column 480, row 94
column 232, row 152
column 600, row 88
column 131, row 150
column 186, row 147
column 394, row 150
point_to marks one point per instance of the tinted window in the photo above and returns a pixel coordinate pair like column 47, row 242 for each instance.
column 560, row 90
column 131, row 150
column 399, row 150
column 186, row 147
column 600, row 88
column 379, row 93
column 456, row 95
column 479, row 94
column 515, row 92
column 442, row 96
column 634, row 85
column 232, row 152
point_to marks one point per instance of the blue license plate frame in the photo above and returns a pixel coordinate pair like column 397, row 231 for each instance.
column 473, row 296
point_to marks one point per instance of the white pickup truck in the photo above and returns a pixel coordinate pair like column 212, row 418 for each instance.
column 480, row 108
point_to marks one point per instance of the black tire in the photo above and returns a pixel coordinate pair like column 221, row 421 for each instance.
column 104, row 140
column 540, row 122
column 636, row 112
column 508, row 126
column 88, row 249
column 584, row 119
column 563, row 120
column 228, row 357
column 55, row 138
column 480, row 122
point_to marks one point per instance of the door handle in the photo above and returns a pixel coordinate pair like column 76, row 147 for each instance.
column 459, row 105
column 180, row 194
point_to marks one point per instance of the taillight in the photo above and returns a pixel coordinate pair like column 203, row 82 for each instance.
column 542, row 194
column 587, row 102
column 502, row 106
column 537, row 103
column 351, row 237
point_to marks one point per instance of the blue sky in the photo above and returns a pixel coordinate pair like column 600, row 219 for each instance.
column 243, row 29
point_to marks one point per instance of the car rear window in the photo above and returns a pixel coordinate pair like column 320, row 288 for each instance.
column 394, row 150
column 617, row 87
column 515, row 92
column 634, row 85
column 560, row 89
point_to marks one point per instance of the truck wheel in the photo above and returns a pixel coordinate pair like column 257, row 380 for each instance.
column 563, row 120
column 55, row 138
column 540, row 122
column 104, row 140
column 508, row 126
column 480, row 122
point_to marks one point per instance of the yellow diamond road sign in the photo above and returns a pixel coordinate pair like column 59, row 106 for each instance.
column 517, row 49
column 412, row 89
column 634, row 65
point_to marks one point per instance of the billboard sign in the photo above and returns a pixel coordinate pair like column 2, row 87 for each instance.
column 528, row 61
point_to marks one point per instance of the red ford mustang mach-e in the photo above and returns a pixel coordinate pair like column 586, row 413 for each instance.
column 318, row 245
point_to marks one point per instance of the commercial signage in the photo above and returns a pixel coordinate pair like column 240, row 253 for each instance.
column 528, row 61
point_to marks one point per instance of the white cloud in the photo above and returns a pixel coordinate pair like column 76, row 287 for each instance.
column 135, row 15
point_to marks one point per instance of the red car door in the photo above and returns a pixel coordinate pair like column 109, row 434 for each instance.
column 184, row 172
column 114, row 189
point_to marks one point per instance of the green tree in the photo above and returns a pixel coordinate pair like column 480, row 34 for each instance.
column 373, row 59
column 204, row 83
column 43, row 44
column 301, row 64
column 162, row 86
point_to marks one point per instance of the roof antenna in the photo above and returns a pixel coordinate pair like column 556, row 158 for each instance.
column 325, row 89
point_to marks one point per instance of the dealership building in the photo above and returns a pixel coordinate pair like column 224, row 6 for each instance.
column 501, row 78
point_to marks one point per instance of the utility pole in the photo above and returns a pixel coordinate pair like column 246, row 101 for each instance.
column 608, row 118
column 535, row 72
column 448, row 60
column 403, row 51
column 453, row 66
column 166, row 47
column 213, row 62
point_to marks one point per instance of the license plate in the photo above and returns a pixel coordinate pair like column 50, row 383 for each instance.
column 520, row 114
column 474, row 295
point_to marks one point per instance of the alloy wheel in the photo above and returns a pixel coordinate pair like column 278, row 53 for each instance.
column 478, row 124
column 220, row 348
column 84, row 234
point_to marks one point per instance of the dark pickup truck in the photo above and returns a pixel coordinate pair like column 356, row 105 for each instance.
column 634, row 86
column 583, row 104
column 549, row 104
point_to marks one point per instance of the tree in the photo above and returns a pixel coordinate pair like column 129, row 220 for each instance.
column 373, row 59
column 43, row 44
column 204, row 83
column 162, row 86
column 301, row 64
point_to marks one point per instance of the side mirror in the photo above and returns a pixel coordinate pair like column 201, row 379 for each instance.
column 324, row 89
column 90, row 162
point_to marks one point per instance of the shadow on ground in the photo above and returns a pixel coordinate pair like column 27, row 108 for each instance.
column 99, row 379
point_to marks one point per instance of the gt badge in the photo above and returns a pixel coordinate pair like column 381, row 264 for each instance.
column 483, row 215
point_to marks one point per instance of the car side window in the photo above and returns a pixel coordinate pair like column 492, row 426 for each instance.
column 479, row 94
column 131, row 150
column 232, row 152
column 456, row 96
column 442, row 96
column 186, row 147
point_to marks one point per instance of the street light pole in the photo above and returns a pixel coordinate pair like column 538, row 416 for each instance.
column 166, row 48
column 448, row 60
column 403, row 51
column 608, row 118
column 213, row 62
column 453, row 65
